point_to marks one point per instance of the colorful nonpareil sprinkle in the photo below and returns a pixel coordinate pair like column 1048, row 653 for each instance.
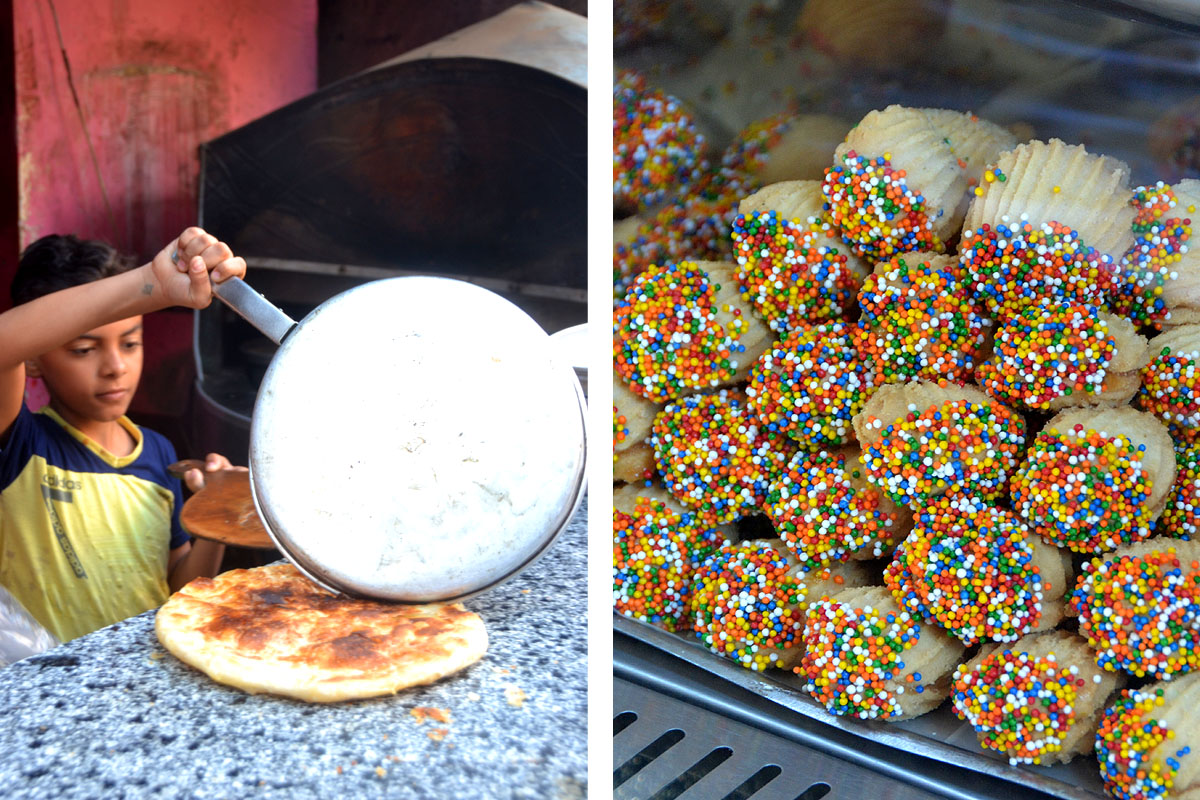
column 1128, row 733
column 854, row 658
column 751, row 149
column 1141, row 613
column 1015, row 265
column 810, row 385
column 1181, row 516
column 636, row 20
column 877, row 212
column 745, row 605
column 968, row 566
column 1023, row 705
column 1048, row 351
column 655, row 553
column 957, row 444
column 918, row 322
column 993, row 175
column 1160, row 242
column 619, row 428
column 788, row 271
column 1171, row 391
column 695, row 228
column 1084, row 490
column 656, row 147
column 713, row 456
column 820, row 514
column 667, row 338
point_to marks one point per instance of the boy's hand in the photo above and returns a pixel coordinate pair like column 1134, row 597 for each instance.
column 181, row 269
column 213, row 462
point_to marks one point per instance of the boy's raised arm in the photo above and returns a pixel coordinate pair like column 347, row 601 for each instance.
column 40, row 325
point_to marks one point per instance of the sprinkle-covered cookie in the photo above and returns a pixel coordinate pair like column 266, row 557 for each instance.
column 1161, row 240
column 810, row 385
column 918, row 321
column 1084, row 490
column 1036, row 700
column 876, row 210
column 1050, row 351
column 1139, row 608
column 1095, row 478
column 656, row 549
column 973, row 568
column 824, row 510
column 1078, row 194
column 1181, row 516
column 749, row 601
column 714, row 457
column 896, row 185
column 657, row 150
column 1017, row 264
column 866, row 657
column 1146, row 742
column 787, row 270
column 1171, row 381
column 944, row 438
column 674, row 333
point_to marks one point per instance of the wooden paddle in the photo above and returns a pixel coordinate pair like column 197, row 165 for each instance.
column 223, row 510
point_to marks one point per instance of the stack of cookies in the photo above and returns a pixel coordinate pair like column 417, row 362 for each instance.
column 930, row 433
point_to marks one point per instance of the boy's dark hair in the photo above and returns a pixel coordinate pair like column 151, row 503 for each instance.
column 57, row 262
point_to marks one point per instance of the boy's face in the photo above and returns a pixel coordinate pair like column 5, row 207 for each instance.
column 92, row 378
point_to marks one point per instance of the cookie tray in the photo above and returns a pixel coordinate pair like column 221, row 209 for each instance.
column 938, row 735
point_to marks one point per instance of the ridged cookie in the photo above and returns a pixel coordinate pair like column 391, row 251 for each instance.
column 1038, row 700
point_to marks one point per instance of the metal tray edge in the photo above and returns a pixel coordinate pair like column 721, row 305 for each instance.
column 889, row 734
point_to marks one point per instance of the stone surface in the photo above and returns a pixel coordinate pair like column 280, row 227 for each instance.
column 113, row 715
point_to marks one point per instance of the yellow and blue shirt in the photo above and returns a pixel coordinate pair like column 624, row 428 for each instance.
column 84, row 534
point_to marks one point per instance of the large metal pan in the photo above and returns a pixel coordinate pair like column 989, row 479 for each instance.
column 414, row 439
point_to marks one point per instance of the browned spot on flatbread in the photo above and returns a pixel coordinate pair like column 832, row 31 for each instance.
column 354, row 650
column 257, row 637
column 248, row 627
column 271, row 597
column 431, row 627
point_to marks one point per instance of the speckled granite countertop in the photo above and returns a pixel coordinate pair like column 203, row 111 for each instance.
column 115, row 715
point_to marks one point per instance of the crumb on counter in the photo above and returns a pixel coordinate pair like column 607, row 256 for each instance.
column 422, row 713
column 515, row 696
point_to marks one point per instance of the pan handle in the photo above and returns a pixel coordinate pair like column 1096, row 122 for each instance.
column 254, row 308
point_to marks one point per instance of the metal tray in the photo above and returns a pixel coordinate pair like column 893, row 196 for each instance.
column 938, row 735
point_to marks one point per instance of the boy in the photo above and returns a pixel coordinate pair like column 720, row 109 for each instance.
column 89, row 517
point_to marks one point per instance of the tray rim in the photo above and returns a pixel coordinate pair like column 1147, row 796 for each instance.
column 889, row 734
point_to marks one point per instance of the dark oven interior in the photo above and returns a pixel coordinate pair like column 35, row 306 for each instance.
column 462, row 167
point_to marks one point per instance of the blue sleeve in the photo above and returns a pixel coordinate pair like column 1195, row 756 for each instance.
column 15, row 453
column 179, row 536
column 160, row 454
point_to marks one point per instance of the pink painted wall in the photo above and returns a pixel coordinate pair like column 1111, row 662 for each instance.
column 154, row 78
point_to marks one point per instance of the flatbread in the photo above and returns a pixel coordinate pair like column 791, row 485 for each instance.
column 271, row 629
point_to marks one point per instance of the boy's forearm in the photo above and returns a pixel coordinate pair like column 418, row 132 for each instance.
column 203, row 560
column 36, row 327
